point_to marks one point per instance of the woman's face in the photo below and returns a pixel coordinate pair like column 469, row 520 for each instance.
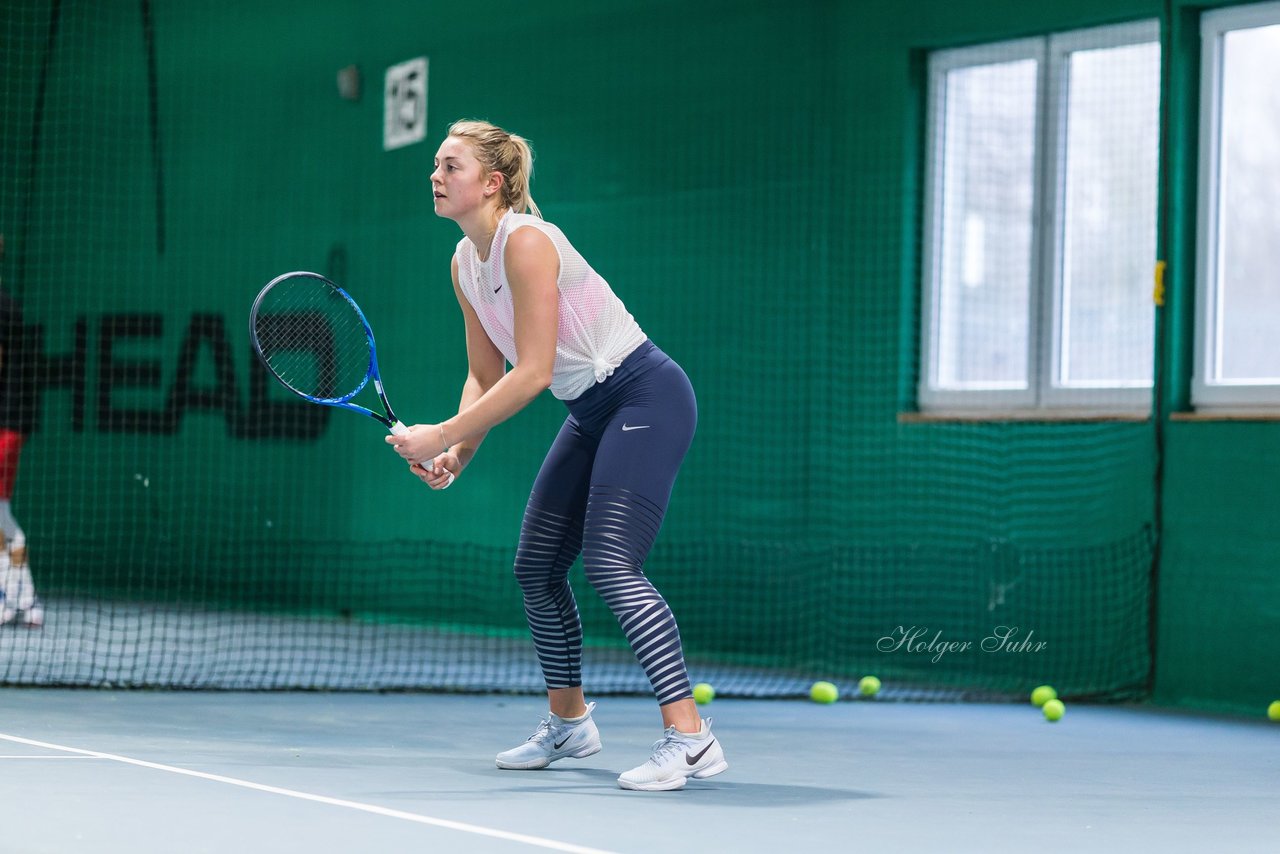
column 459, row 180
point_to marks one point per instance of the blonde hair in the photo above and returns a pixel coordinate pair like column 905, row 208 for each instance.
column 503, row 152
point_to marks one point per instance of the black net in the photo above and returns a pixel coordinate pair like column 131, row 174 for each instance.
column 189, row 523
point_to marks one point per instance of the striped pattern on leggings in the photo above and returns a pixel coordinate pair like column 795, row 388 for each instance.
column 614, row 536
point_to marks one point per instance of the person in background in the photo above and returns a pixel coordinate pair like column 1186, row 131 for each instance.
column 18, row 601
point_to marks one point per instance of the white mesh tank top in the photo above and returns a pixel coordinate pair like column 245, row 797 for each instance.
column 596, row 331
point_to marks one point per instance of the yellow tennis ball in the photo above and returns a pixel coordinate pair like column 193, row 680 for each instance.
column 869, row 686
column 1054, row 710
column 1042, row 695
column 1273, row 711
column 824, row 692
column 703, row 693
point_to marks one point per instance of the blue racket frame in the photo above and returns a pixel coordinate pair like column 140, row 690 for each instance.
column 390, row 421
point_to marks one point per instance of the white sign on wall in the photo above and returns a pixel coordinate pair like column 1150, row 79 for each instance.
column 405, row 110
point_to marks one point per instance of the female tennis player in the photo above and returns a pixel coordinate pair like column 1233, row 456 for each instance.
column 528, row 298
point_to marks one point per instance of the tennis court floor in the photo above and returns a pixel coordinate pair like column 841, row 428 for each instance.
column 147, row 771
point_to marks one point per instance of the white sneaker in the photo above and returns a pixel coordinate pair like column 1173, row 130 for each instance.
column 555, row 738
column 677, row 757
column 8, row 613
column 19, row 588
column 33, row 617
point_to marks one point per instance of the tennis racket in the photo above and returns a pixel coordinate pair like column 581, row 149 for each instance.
column 312, row 337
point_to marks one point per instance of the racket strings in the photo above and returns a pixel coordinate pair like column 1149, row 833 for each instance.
column 313, row 338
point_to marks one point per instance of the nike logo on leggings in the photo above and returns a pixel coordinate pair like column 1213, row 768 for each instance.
column 626, row 429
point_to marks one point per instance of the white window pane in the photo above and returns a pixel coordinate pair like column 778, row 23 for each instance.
column 1109, row 217
column 1248, row 275
column 986, row 196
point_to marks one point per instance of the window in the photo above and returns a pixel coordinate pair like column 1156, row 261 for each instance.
column 1238, row 285
column 1040, row 223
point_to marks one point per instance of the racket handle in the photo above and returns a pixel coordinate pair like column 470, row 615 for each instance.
column 398, row 429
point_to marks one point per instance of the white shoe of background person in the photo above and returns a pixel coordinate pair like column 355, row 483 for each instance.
column 18, row 591
column 32, row 617
column 8, row 613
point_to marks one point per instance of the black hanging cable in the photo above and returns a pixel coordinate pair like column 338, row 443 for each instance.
column 33, row 154
column 153, row 94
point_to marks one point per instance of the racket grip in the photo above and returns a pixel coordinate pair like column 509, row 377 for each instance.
column 398, row 429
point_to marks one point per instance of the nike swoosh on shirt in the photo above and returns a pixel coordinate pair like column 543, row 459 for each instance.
column 626, row 429
column 693, row 760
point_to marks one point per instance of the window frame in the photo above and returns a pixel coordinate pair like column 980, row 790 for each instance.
column 1044, row 315
column 1207, row 395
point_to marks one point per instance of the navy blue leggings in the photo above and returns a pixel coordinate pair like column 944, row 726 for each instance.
column 602, row 492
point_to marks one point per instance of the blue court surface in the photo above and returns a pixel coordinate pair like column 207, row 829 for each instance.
column 143, row 771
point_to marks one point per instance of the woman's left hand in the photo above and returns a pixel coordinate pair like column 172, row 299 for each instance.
column 438, row 473
column 422, row 442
